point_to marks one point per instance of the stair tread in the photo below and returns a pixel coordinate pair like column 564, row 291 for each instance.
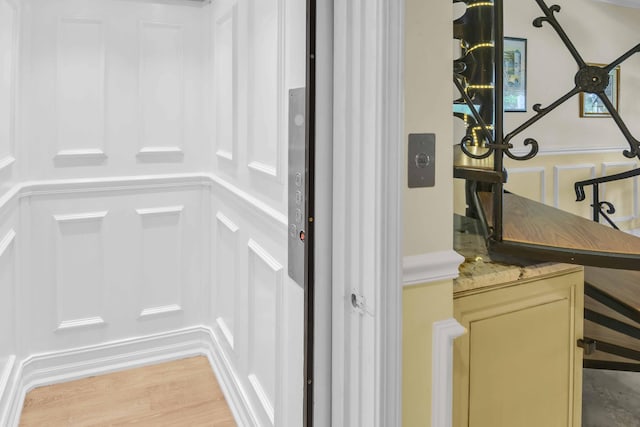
column 601, row 333
column 533, row 223
column 607, row 357
column 623, row 285
column 598, row 307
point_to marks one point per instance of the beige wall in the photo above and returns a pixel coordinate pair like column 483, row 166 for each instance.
column 428, row 212
column 423, row 305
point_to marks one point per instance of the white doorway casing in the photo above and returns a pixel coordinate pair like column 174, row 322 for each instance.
column 367, row 163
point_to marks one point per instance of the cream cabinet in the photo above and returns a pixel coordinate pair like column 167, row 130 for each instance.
column 519, row 364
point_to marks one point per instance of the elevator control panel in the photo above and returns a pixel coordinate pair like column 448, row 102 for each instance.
column 422, row 160
column 296, row 185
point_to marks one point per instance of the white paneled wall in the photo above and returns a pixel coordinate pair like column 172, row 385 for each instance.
column 116, row 88
column 256, row 54
column 9, row 37
column 149, row 220
column 112, row 265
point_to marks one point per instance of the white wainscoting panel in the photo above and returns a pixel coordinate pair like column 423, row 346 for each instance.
column 162, row 84
column 117, row 88
column 564, row 178
column 266, row 86
column 8, row 81
column 226, row 298
column 161, row 260
column 265, row 307
column 623, row 194
column 80, row 270
column 80, row 88
column 7, row 294
column 225, row 71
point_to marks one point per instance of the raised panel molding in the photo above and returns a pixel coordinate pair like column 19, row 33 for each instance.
column 155, row 311
column 7, row 297
column 563, row 187
column 8, row 80
column 161, row 91
column 265, row 340
column 80, row 323
column 5, row 162
column 607, row 189
column 161, row 261
column 537, row 173
column 6, row 241
column 266, row 87
column 225, row 70
column 80, row 89
column 226, row 296
column 79, row 266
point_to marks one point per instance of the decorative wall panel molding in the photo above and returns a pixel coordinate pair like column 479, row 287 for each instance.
column 563, row 179
column 143, row 182
column 8, row 390
column 80, row 323
column 155, row 311
column 80, row 269
column 523, row 177
column 444, row 332
column 618, row 192
column 266, row 87
column 558, row 171
column 226, row 296
column 225, row 71
column 80, row 88
column 6, row 242
column 8, row 79
column 161, row 260
column 8, row 259
column 162, row 86
column 7, row 161
column 265, row 340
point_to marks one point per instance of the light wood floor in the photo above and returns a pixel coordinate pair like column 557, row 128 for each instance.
column 180, row 393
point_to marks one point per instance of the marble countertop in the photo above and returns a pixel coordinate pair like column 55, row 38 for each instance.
column 479, row 271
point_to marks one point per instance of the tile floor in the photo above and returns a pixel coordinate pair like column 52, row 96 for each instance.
column 610, row 398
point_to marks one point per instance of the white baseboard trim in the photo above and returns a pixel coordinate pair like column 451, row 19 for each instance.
column 430, row 267
column 444, row 332
column 56, row 367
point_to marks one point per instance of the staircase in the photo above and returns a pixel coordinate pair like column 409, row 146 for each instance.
column 612, row 319
column 612, row 295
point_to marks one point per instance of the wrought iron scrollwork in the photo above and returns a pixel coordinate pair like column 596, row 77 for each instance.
column 588, row 79
column 602, row 208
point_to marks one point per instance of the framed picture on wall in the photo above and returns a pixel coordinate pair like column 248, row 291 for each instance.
column 592, row 106
column 515, row 74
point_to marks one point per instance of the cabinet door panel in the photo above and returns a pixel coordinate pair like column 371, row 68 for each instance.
column 519, row 363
